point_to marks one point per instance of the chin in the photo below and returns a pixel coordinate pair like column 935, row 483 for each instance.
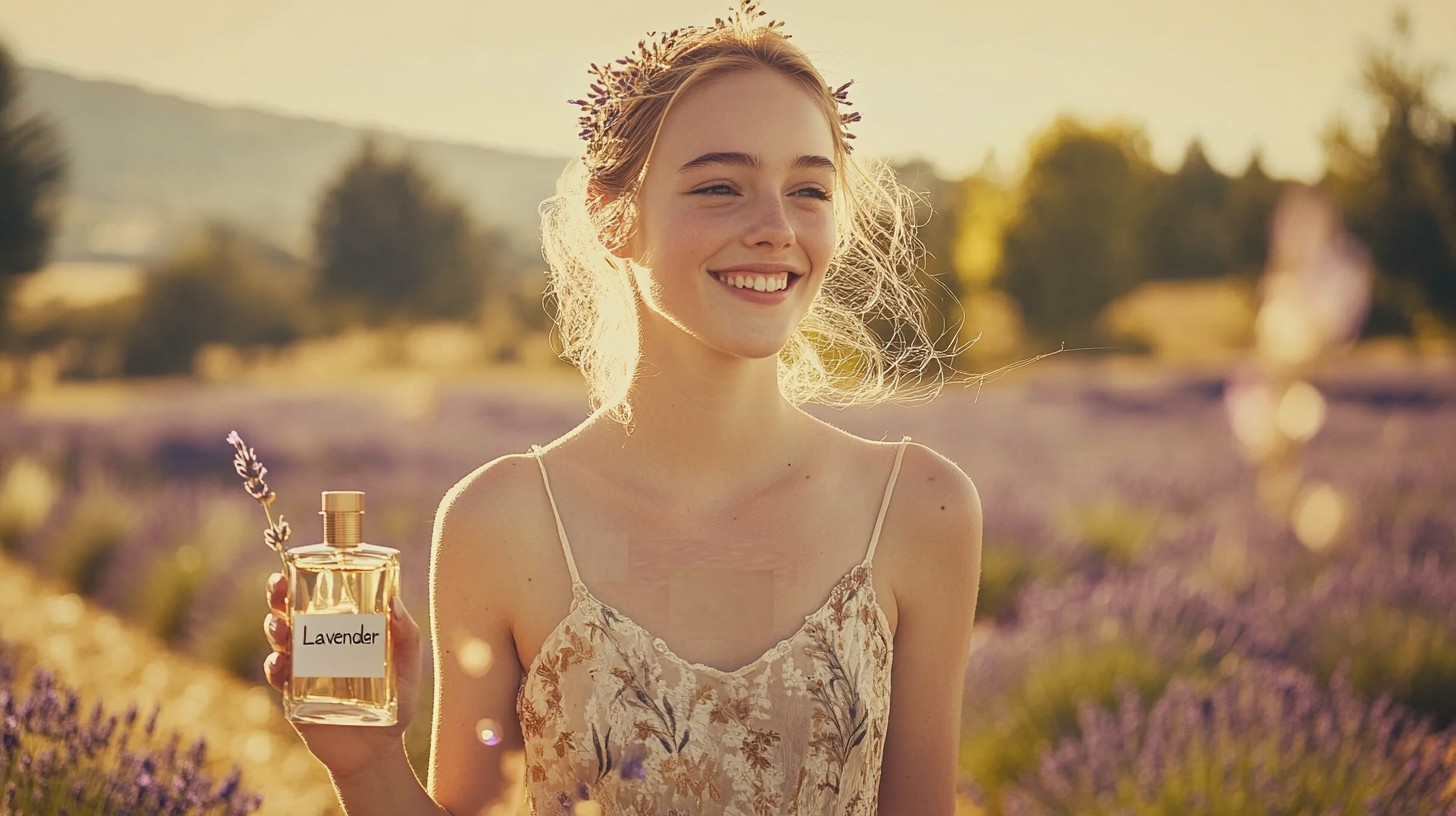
column 767, row 349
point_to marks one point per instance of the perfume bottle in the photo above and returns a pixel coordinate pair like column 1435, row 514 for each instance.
column 339, row 594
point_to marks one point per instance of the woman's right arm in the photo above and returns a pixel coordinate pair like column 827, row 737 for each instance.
column 477, row 672
column 477, row 761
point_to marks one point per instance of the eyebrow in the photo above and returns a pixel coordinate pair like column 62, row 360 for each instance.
column 745, row 160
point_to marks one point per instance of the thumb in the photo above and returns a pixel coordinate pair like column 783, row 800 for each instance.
column 406, row 635
column 406, row 650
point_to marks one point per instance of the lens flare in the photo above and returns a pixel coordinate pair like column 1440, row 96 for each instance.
column 474, row 656
column 1319, row 516
column 488, row 732
column 1301, row 412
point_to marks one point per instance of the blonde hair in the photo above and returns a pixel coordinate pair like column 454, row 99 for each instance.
column 864, row 339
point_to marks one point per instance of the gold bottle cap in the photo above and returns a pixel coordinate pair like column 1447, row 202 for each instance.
column 343, row 517
column 343, row 501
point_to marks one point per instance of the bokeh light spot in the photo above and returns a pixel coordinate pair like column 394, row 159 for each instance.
column 1251, row 409
column 1301, row 412
column 488, row 732
column 189, row 558
column 474, row 656
column 1286, row 333
column 1319, row 516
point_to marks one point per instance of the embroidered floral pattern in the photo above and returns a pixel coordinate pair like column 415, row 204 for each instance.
column 609, row 713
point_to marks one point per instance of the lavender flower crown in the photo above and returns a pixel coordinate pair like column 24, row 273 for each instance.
column 634, row 76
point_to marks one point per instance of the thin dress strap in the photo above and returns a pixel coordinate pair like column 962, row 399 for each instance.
column 560, row 528
column 885, row 503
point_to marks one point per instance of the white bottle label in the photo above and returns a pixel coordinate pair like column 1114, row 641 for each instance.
column 338, row 645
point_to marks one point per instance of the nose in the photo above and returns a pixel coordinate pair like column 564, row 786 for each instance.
column 770, row 227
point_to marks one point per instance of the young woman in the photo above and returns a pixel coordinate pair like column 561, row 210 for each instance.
column 701, row 600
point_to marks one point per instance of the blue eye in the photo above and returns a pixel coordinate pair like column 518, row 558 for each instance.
column 715, row 190
column 813, row 192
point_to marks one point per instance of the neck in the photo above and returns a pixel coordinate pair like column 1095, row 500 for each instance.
column 705, row 425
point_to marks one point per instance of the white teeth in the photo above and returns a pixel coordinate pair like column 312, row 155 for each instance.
column 757, row 284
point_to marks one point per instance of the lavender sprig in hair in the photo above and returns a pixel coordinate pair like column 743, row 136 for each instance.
column 251, row 469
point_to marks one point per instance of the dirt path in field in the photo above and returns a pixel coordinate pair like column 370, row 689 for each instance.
column 103, row 658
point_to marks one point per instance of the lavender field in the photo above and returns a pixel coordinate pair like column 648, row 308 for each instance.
column 1149, row 639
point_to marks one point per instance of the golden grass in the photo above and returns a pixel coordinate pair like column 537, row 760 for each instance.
column 76, row 284
column 104, row 658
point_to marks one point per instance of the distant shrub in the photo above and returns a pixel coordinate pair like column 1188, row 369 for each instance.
column 85, row 546
column 55, row 759
column 1008, row 568
column 28, row 491
column 231, row 640
column 1078, row 645
column 172, row 584
column 224, row 288
column 196, row 532
column 1393, row 622
column 1269, row 739
column 1113, row 531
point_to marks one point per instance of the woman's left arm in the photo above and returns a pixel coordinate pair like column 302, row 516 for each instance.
column 937, row 573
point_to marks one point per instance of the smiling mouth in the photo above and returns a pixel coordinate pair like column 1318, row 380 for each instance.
column 756, row 282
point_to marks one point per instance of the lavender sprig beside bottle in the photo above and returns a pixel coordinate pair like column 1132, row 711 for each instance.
column 250, row 468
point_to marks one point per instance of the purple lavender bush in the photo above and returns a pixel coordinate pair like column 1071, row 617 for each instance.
column 1268, row 739
column 1079, row 644
column 1391, row 621
column 56, row 759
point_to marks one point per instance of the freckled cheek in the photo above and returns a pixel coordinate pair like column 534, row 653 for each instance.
column 817, row 238
column 686, row 239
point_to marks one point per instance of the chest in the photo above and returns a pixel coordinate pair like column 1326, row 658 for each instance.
column 718, row 585
column 609, row 715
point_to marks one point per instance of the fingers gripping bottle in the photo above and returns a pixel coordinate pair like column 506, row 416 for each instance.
column 339, row 594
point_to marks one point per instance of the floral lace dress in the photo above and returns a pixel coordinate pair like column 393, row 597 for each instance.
column 612, row 715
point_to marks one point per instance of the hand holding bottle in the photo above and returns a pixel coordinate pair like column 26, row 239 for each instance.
column 346, row 749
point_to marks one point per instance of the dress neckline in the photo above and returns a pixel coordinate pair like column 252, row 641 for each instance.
column 582, row 596
column 769, row 655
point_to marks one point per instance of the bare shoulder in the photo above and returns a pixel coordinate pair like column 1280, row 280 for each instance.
column 933, row 526
column 936, row 490
column 494, row 490
column 483, row 528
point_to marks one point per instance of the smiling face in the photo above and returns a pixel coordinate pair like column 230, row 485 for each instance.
column 735, row 221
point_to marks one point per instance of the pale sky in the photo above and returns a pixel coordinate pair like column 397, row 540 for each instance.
column 946, row 81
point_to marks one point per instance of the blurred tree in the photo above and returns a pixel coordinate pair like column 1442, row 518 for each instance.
column 992, row 320
column 1186, row 232
column 32, row 168
column 1250, row 207
column 984, row 213
column 226, row 287
column 389, row 245
column 1399, row 189
column 1074, row 243
column 936, row 211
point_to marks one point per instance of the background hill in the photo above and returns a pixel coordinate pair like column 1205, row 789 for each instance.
column 146, row 168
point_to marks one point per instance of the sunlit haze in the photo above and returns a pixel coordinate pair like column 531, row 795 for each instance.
column 950, row 81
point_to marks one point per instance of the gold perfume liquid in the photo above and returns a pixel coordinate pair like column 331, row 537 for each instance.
column 339, row 594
